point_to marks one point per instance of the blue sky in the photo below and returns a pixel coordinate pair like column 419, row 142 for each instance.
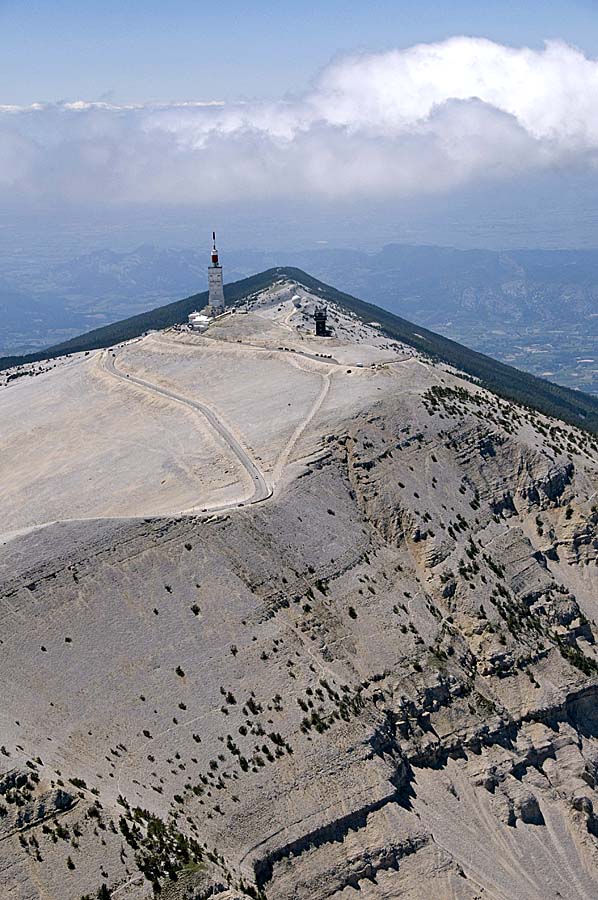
column 132, row 51
column 368, row 111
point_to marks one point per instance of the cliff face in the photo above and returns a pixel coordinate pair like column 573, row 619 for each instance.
column 382, row 679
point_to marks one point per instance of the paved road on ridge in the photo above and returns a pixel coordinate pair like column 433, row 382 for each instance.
column 261, row 491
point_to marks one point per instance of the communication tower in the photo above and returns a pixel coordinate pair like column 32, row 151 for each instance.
column 215, row 288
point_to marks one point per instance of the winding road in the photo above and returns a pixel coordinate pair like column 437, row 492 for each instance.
column 261, row 490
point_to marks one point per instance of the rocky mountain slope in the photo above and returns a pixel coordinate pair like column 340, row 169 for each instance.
column 378, row 680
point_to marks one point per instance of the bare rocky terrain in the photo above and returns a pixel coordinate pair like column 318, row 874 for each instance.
column 293, row 619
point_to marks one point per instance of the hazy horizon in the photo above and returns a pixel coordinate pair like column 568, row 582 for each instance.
column 468, row 127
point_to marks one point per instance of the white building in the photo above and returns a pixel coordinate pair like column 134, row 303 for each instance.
column 198, row 321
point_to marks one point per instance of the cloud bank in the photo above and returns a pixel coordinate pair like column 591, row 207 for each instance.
column 427, row 119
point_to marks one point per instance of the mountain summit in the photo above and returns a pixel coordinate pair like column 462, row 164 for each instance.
column 570, row 405
column 291, row 617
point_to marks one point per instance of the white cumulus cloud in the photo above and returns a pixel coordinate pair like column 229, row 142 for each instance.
column 429, row 118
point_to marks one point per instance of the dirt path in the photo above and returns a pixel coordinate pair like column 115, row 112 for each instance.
column 325, row 378
column 286, row 452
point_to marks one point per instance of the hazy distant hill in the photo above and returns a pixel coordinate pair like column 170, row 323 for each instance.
column 146, row 271
column 432, row 284
column 93, row 290
column 438, row 284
